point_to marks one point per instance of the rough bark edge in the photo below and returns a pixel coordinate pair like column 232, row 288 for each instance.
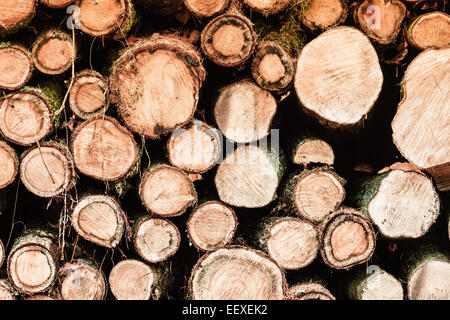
column 13, row 153
column 441, row 176
column 418, row 20
column 311, row 26
column 25, row 51
column 19, row 25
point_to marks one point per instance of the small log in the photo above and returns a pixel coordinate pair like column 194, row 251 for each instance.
column 89, row 94
column 15, row 15
column 377, row 285
column 321, row 15
column 167, row 191
column 99, row 219
column 103, row 149
column 9, row 165
column 163, row 7
column 424, row 105
column 47, row 169
column 56, row 3
column 106, row 18
column 53, row 52
column 16, row 66
column 339, row 86
column 244, row 112
column 155, row 239
column 228, row 40
column 211, row 225
column 81, row 280
column 306, row 148
column 206, row 8
column 272, row 66
column 313, row 194
column 380, row 20
column 195, row 148
column 267, row 7
column 236, row 273
column 6, row 291
column 430, row 30
column 309, row 291
column 156, row 84
column 347, row 239
column 33, row 261
column 249, row 176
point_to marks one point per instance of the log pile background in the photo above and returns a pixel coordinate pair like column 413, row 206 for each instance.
column 102, row 197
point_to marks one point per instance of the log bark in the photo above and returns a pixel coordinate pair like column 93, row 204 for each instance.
column 376, row 285
column 228, row 40
column 206, row 8
column 267, row 7
column 53, row 52
column 339, row 87
column 195, row 148
column 306, row 148
column 321, row 15
column 156, row 67
column 430, row 30
column 206, row 215
column 244, row 112
column 89, row 94
column 6, row 291
column 9, row 164
column 56, row 3
column 250, row 275
column 309, row 291
column 250, row 175
column 99, row 219
column 441, row 176
column 155, row 239
column 47, row 170
column 81, row 280
column 33, row 261
column 163, row 7
column 15, row 15
column 347, row 239
column 103, row 149
column 16, row 66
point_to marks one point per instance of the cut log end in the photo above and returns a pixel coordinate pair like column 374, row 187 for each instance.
column 103, row 149
column 206, row 8
column 16, row 67
column 156, row 239
column 2, row 253
column 381, row 286
column 57, row 3
column 80, row 280
column 25, row 117
column 430, row 281
column 99, row 219
column 167, row 191
column 132, row 280
column 347, row 239
column 244, row 111
column 405, row 206
column 309, row 291
column 9, row 166
column 324, row 14
column 13, row 12
column 88, row 95
column 228, row 40
column 6, row 292
column 195, row 148
column 211, row 213
column 52, row 52
column 236, row 273
column 313, row 151
column 430, row 30
column 292, row 243
column 267, row 7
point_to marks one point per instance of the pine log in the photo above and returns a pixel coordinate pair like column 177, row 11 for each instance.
column 167, row 191
column 339, row 86
column 380, row 20
column 15, row 15
column 249, row 176
column 228, row 40
column 420, row 126
column 236, row 273
column 33, row 261
column 309, row 291
column 324, row 14
column 6, row 291
column 195, row 148
column 347, row 239
column 313, row 194
column 53, row 52
column 155, row 239
column 47, row 169
column 163, row 7
column 244, row 112
column 89, row 94
column 267, row 7
column 272, row 66
column 206, row 8
column 211, row 225
column 16, row 66
column 430, row 30
column 99, row 219
column 103, row 149
column 56, row 3
column 291, row 242
column 2, row 253
column 81, row 280
column 9, row 165
column 307, row 148
column 377, row 285
column 156, row 84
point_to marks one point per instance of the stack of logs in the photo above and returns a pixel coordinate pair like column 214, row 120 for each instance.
column 223, row 157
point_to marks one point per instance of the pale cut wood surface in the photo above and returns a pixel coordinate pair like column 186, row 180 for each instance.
column 430, row 30
column 8, row 166
column 16, row 67
column 14, row 11
column 431, row 281
column 309, row 291
column 381, row 286
column 206, row 8
column 322, row 14
column 101, row 17
column 267, row 7
column 314, row 151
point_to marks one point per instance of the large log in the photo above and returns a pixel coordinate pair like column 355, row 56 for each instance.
column 16, row 66
column 15, row 15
